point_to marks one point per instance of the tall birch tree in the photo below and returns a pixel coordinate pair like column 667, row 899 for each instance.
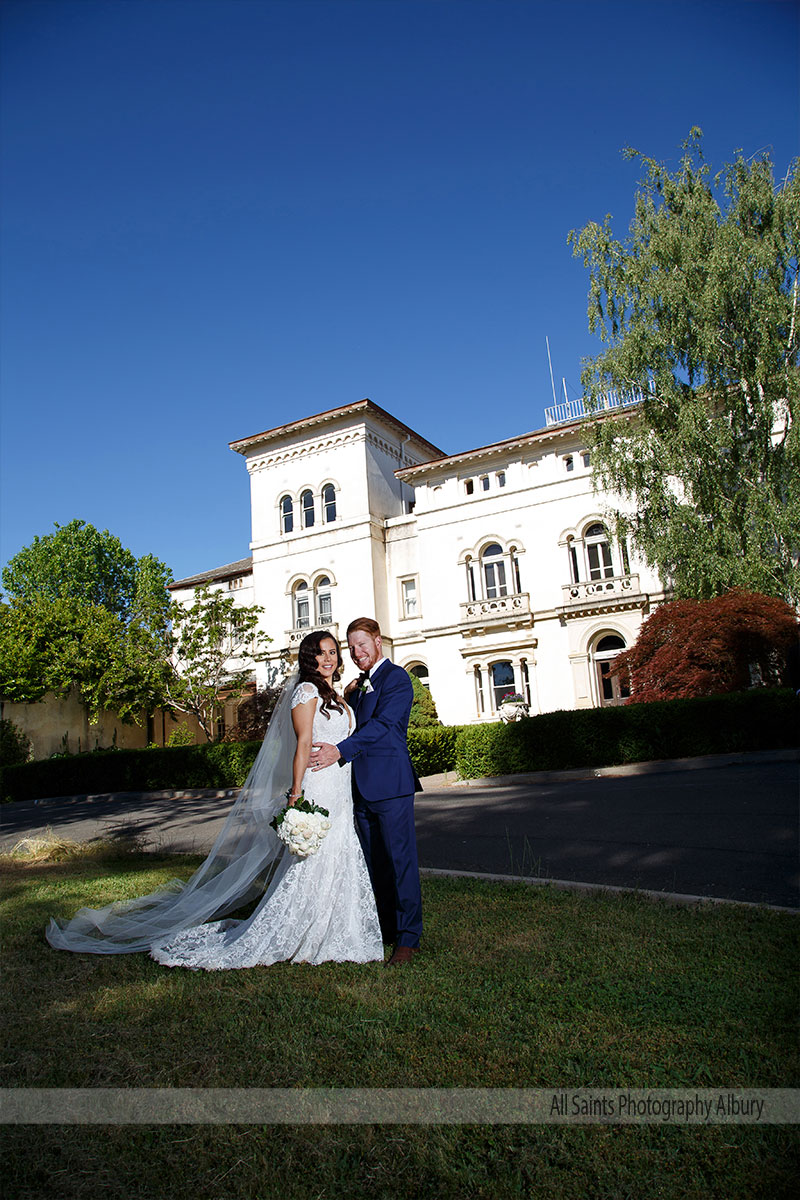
column 698, row 312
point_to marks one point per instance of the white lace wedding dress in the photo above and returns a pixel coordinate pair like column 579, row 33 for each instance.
column 316, row 909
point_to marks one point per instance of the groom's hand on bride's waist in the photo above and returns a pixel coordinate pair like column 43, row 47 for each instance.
column 323, row 755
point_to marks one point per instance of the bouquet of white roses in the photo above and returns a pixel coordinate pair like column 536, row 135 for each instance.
column 301, row 827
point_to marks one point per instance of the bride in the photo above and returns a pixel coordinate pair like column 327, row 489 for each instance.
column 313, row 910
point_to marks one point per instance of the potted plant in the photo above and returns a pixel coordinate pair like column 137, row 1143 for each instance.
column 513, row 707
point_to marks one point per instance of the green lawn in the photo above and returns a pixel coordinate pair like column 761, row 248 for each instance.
column 516, row 987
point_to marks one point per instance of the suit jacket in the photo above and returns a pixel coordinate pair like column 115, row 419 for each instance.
column 378, row 749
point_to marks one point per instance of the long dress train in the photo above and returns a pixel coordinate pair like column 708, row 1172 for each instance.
column 317, row 909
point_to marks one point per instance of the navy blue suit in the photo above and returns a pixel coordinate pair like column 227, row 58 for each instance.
column 384, row 782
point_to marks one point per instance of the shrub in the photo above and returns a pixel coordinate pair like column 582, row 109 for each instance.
column 181, row 735
column 595, row 737
column 706, row 647
column 15, row 745
column 423, row 709
column 433, row 750
column 217, row 765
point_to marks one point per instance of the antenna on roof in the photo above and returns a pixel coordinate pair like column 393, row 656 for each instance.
column 550, row 361
column 564, row 385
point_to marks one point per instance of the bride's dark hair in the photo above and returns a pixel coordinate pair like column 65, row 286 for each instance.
column 310, row 647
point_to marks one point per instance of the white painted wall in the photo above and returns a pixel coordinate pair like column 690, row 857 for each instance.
column 375, row 542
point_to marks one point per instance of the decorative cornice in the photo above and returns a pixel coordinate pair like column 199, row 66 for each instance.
column 305, row 449
column 388, row 448
column 499, row 450
column 362, row 408
column 599, row 607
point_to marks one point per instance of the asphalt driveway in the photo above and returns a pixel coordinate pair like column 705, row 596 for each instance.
column 710, row 827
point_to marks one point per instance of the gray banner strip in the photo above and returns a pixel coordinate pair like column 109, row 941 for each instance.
column 400, row 1106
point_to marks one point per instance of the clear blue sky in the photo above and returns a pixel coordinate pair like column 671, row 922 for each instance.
column 221, row 215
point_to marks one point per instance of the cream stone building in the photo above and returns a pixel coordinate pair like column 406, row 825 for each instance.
column 490, row 571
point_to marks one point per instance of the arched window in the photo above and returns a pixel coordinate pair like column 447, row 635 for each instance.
column 329, row 503
column 307, row 505
column 494, row 572
column 323, row 601
column 610, row 688
column 287, row 514
column 502, row 681
column 598, row 552
column 421, row 672
column 301, row 606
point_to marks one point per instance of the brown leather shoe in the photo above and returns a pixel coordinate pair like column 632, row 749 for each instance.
column 402, row 955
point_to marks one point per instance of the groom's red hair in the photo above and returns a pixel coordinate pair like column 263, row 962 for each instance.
column 366, row 624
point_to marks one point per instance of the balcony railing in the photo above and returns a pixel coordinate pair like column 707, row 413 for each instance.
column 576, row 410
column 600, row 591
column 503, row 610
column 295, row 636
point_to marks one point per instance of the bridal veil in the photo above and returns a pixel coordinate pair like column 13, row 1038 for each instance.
column 238, row 868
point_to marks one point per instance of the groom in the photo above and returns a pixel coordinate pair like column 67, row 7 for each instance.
column 384, row 783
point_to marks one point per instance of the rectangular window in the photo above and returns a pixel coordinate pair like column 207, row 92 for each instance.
column 479, row 691
column 408, row 588
column 325, row 609
column 587, row 460
column 495, row 580
column 599, row 555
column 501, row 479
column 573, row 565
column 469, row 487
column 526, row 682
column 517, row 581
column 485, row 482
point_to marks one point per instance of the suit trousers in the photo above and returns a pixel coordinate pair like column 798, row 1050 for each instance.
column 389, row 841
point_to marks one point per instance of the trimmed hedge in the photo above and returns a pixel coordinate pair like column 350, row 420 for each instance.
column 605, row 737
column 591, row 737
column 220, row 765
column 433, row 748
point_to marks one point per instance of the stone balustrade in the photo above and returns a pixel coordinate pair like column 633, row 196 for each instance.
column 503, row 610
column 295, row 636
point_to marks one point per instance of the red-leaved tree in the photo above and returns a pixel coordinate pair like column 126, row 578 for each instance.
column 704, row 647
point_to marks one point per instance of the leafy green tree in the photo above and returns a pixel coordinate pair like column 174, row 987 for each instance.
column 423, row 708
column 215, row 644
column 78, row 562
column 86, row 615
column 698, row 310
column 60, row 645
